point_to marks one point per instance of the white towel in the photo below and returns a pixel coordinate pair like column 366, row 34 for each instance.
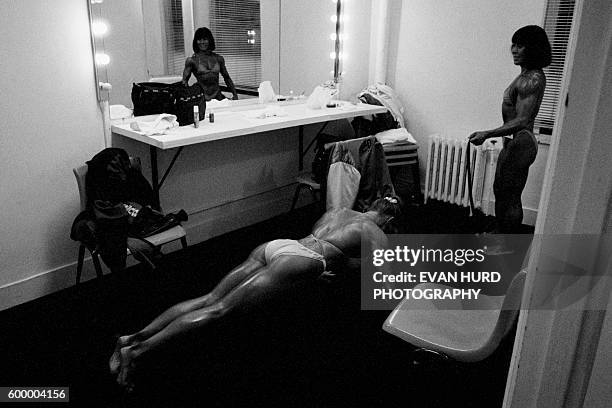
column 319, row 98
column 159, row 125
column 395, row 136
column 120, row 112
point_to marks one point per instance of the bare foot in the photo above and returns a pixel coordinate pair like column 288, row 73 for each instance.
column 114, row 364
column 125, row 377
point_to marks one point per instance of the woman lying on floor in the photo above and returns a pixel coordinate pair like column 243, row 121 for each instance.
column 271, row 269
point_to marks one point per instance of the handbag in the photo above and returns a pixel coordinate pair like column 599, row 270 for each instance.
column 153, row 98
column 186, row 97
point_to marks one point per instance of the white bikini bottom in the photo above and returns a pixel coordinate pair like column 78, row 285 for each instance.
column 290, row 247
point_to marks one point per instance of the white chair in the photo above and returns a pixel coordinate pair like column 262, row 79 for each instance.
column 465, row 331
column 164, row 237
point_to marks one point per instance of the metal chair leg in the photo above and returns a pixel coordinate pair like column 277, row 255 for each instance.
column 296, row 195
column 96, row 262
column 313, row 192
column 298, row 189
column 416, row 178
column 80, row 263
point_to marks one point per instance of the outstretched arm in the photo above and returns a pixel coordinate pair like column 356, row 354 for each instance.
column 374, row 238
column 529, row 96
column 227, row 78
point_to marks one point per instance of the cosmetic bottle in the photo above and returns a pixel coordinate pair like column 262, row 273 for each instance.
column 196, row 116
column 211, row 116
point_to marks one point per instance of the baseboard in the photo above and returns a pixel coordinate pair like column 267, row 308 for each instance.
column 203, row 225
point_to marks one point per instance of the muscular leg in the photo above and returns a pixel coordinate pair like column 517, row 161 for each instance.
column 254, row 262
column 267, row 283
column 510, row 179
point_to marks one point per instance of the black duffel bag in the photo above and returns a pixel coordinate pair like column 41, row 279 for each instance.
column 153, row 98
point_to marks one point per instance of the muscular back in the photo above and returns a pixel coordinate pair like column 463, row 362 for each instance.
column 345, row 229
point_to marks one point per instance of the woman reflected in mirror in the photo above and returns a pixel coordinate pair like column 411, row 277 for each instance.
column 206, row 65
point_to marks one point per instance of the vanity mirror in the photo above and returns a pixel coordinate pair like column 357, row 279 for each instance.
column 290, row 43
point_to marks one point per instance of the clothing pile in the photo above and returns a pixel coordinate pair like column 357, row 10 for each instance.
column 119, row 213
column 357, row 174
column 382, row 95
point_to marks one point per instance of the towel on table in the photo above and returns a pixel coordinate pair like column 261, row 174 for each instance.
column 120, row 112
column 159, row 125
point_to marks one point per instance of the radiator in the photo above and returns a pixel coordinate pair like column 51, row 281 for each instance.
column 446, row 175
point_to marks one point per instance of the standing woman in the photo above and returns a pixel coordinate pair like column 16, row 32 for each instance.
column 206, row 66
column 521, row 103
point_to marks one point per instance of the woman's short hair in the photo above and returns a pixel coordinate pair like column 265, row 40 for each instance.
column 535, row 40
column 203, row 32
column 388, row 205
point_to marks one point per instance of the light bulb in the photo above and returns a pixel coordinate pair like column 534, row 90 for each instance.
column 332, row 36
column 333, row 18
column 332, row 55
column 102, row 58
column 99, row 28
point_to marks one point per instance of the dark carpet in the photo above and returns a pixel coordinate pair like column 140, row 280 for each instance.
column 318, row 349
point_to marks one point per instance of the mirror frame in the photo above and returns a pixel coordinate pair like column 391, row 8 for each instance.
column 101, row 75
column 95, row 46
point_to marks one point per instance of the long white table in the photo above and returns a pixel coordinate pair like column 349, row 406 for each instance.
column 239, row 121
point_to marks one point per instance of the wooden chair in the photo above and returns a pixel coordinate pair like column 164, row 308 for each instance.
column 170, row 235
column 404, row 155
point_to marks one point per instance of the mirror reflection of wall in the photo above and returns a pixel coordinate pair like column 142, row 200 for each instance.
column 305, row 44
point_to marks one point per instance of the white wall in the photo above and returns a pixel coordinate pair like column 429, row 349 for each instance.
column 355, row 48
column 51, row 123
column 450, row 62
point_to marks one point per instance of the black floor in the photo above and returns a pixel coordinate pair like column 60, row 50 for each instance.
column 316, row 350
